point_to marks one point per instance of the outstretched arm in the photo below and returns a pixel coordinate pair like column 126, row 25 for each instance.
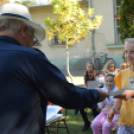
column 53, row 86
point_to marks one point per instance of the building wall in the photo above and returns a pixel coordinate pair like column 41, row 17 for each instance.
column 81, row 52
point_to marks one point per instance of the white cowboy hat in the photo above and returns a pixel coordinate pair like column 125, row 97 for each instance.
column 20, row 12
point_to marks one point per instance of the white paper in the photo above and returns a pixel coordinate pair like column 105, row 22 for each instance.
column 51, row 113
column 93, row 84
column 54, row 118
column 119, row 92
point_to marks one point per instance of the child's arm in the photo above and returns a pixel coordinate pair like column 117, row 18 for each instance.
column 85, row 83
column 116, row 107
column 85, row 86
column 102, row 104
column 94, row 73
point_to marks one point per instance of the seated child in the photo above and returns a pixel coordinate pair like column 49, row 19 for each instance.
column 110, row 68
column 124, row 65
column 100, row 77
column 88, row 76
column 100, row 125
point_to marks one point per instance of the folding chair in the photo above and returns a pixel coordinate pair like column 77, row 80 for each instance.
column 57, row 126
column 55, row 123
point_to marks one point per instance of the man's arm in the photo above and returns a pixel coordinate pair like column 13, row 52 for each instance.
column 54, row 87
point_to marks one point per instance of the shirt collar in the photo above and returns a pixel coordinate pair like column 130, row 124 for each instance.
column 10, row 39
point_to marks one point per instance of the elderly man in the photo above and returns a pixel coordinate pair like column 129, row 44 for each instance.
column 28, row 80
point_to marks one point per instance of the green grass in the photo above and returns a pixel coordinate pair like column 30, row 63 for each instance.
column 75, row 123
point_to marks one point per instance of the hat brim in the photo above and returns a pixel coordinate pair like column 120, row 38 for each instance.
column 38, row 30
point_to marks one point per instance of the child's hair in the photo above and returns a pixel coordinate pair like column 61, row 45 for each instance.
column 91, row 64
column 125, row 65
column 109, row 75
column 98, row 73
column 129, row 40
column 106, row 66
column 86, row 73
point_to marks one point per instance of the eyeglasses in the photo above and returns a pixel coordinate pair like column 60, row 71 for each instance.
column 35, row 41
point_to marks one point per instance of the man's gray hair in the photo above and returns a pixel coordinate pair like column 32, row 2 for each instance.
column 11, row 25
column 129, row 40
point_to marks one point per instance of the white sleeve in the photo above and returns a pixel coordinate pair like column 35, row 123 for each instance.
column 102, row 104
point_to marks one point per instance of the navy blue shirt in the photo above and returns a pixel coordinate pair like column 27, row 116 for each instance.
column 27, row 81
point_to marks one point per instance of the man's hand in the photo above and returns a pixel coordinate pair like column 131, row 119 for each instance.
column 126, row 95
column 103, row 95
column 110, row 115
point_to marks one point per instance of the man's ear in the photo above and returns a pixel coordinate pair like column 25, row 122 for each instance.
column 23, row 31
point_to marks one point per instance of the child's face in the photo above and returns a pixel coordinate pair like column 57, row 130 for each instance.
column 90, row 68
column 129, row 53
column 109, row 82
column 111, row 68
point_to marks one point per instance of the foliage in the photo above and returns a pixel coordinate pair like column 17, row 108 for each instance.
column 27, row 3
column 123, row 56
column 71, row 23
column 4, row 2
column 126, row 19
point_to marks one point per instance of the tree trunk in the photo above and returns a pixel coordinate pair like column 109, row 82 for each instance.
column 67, row 61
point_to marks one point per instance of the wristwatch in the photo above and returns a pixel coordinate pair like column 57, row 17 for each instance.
column 115, row 110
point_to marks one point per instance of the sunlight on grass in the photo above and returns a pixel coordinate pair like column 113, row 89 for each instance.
column 78, row 80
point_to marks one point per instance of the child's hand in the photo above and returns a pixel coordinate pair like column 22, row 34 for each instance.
column 110, row 115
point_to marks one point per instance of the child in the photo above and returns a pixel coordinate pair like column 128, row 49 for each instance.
column 100, row 123
column 89, row 74
column 100, row 77
column 110, row 67
column 124, row 65
column 122, row 80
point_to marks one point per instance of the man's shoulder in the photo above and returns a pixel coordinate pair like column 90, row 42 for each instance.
column 31, row 51
column 25, row 50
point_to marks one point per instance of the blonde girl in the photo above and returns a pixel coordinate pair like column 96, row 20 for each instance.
column 110, row 67
column 124, row 65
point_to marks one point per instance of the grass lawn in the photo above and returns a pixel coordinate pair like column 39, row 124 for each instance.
column 75, row 122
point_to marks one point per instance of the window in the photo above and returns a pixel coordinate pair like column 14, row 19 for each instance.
column 55, row 41
column 117, row 18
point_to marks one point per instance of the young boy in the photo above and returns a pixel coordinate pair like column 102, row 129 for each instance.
column 122, row 80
